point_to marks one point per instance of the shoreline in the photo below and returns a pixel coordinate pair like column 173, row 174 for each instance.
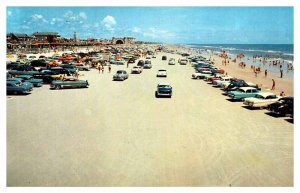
column 285, row 84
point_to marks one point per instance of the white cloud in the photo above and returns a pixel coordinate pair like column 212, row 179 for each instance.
column 25, row 27
column 37, row 17
column 158, row 33
column 109, row 23
column 9, row 13
column 136, row 30
column 82, row 15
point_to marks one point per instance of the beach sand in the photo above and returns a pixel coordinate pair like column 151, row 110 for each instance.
column 116, row 133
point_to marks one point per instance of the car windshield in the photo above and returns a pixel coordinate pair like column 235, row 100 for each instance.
column 259, row 96
column 164, row 86
column 162, row 70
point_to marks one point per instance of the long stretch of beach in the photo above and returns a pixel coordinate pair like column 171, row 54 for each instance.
column 116, row 133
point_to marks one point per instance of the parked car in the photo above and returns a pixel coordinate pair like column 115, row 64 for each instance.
column 20, row 80
column 147, row 64
column 202, row 74
column 69, row 82
column 136, row 70
column 141, row 63
column 82, row 67
column 163, row 90
column 243, row 92
column 120, row 62
column 120, row 75
column 164, row 57
column 183, row 61
column 162, row 73
column 28, row 78
column 13, row 65
column 17, row 87
column 217, row 83
column 283, row 107
column 39, row 63
column 71, row 68
column 131, row 60
column 261, row 100
column 60, row 70
column 172, row 61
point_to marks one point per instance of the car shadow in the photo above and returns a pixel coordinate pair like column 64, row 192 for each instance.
column 290, row 120
column 11, row 94
column 252, row 108
column 233, row 100
column 273, row 114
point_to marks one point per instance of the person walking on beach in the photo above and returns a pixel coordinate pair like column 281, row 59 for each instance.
column 127, row 63
column 99, row 67
column 102, row 68
column 109, row 68
column 273, row 84
column 281, row 73
column 255, row 74
column 266, row 73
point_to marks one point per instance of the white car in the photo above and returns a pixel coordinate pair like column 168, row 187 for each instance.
column 201, row 75
column 172, row 61
column 183, row 61
column 136, row 70
column 261, row 100
column 218, row 83
column 161, row 73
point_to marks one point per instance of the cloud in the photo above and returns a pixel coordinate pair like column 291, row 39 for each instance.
column 158, row 33
column 109, row 23
column 82, row 15
column 9, row 13
column 37, row 17
column 136, row 30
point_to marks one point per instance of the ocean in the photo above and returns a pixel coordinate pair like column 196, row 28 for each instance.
column 282, row 52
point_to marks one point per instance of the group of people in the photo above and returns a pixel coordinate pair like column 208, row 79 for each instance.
column 100, row 68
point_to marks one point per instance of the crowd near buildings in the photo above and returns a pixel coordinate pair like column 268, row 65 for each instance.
column 41, row 41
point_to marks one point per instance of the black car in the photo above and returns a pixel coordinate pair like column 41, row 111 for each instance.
column 284, row 107
column 141, row 63
column 38, row 63
column 13, row 65
column 61, row 70
column 164, row 58
column 131, row 60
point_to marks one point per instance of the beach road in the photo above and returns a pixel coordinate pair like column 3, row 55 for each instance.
column 116, row 133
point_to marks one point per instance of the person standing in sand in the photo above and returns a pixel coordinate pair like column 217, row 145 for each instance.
column 266, row 73
column 281, row 73
column 273, row 84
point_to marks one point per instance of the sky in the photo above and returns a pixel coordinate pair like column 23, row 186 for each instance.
column 199, row 25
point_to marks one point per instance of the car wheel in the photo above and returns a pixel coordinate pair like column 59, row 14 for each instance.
column 57, row 87
column 15, row 92
column 156, row 95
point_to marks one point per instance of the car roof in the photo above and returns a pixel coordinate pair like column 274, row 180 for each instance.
column 164, row 84
column 265, row 94
column 246, row 88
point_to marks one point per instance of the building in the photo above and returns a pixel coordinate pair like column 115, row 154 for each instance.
column 125, row 40
column 46, row 36
column 16, row 37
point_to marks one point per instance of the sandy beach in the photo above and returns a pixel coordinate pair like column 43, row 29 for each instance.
column 118, row 134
